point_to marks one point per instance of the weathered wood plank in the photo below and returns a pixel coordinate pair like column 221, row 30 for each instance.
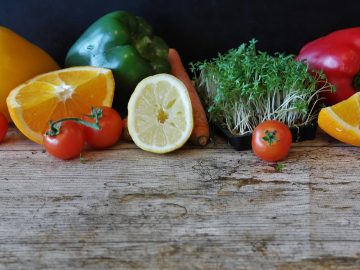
column 178, row 255
column 15, row 141
column 211, row 208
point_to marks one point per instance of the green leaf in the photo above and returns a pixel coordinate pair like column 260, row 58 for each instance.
column 279, row 167
column 82, row 159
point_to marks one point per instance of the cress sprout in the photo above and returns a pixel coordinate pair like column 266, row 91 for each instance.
column 244, row 87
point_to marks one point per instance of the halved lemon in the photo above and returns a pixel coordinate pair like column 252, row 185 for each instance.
column 160, row 118
column 63, row 93
column 342, row 120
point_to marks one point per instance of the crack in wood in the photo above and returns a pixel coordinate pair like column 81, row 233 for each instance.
column 66, row 198
column 144, row 196
column 323, row 263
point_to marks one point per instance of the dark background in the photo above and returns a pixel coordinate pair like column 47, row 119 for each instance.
column 199, row 29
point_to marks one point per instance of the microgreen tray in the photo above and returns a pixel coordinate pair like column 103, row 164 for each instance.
column 243, row 142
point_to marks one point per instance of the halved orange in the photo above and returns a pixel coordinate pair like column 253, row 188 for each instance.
column 342, row 120
column 68, row 92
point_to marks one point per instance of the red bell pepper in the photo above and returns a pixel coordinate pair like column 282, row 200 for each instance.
column 338, row 56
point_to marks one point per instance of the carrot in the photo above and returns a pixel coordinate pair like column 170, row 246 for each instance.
column 200, row 134
column 125, row 132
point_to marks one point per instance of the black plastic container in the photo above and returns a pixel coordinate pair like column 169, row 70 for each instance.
column 243, row 142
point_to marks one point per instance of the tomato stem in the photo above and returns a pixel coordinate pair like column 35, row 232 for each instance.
column 270, row 137
column 96, row 114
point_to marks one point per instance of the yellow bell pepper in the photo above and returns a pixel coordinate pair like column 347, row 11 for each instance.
column 20, row 60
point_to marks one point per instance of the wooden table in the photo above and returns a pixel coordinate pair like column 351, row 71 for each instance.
column 211, row 208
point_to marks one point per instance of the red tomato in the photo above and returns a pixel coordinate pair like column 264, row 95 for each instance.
column 68, row 143
column 3, row 126
column 110, row 132
column 271, row 140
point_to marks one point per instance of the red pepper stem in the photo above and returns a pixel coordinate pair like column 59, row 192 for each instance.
column 54, row 127
column 356, row 82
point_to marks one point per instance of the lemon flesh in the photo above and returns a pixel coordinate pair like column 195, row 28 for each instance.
column 160, row 118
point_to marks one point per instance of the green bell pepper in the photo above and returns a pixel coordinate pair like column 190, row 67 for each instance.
column 125, row 44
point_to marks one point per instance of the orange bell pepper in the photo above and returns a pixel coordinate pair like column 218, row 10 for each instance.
column 20, row 60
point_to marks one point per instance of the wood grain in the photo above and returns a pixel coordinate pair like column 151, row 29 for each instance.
column 196, row 208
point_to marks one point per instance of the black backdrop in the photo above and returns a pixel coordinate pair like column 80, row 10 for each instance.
column 198, row 28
